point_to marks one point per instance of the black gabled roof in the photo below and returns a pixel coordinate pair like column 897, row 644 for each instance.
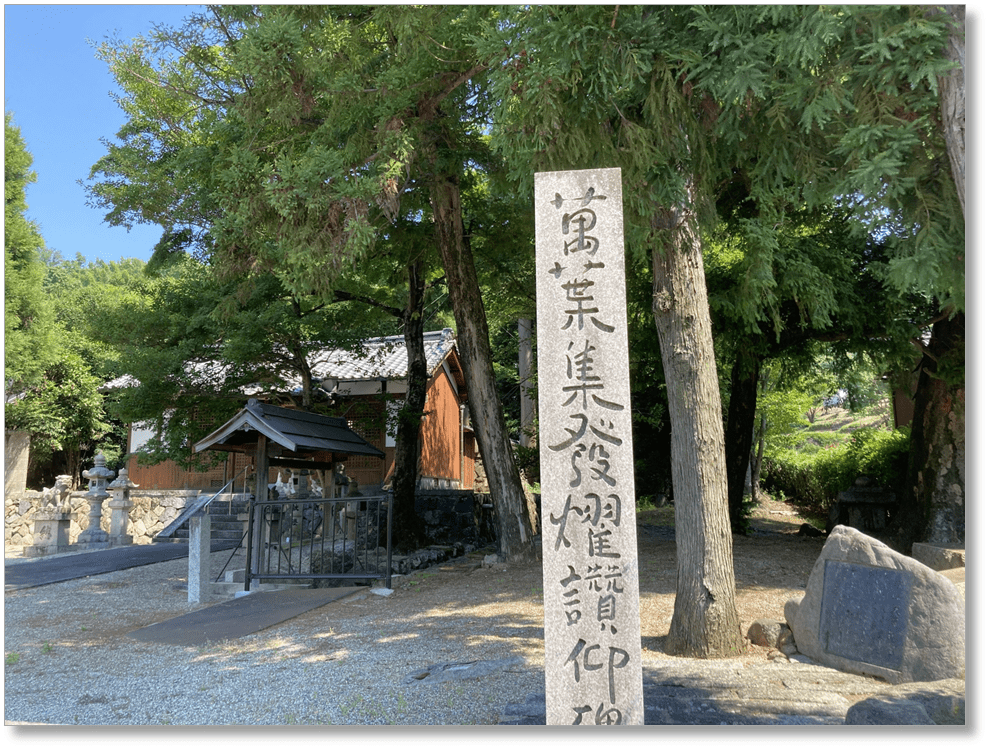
column 299, row 431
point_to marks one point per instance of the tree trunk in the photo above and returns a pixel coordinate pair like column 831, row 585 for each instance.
column 934, row 510
column 305, row 375
column 665, row 444
column 951, row 88
column 705, row 619
column 511, row 506
column 760, row 444
column 409, row 529
column 738, row 433
column 527, row 409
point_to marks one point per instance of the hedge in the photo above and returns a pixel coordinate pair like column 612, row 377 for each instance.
column 813, row 480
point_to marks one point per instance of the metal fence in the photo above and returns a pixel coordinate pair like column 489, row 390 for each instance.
column 325, row 541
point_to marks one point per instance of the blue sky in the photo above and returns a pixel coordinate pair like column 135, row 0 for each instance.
column 59, row 94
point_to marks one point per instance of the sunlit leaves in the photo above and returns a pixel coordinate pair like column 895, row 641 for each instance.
column 30, row 343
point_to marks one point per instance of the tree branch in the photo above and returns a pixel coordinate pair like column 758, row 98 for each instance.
column 345, row 296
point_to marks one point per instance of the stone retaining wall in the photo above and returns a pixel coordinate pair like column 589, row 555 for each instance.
column 152, row 511
column 456, row 515
column 450, row 515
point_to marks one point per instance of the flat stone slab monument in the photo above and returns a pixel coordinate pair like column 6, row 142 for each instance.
column 870, row 610
column 590, row 559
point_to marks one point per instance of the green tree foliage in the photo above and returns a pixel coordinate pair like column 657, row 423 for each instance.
column 65, row 417
column 191, row 348
column 842, row 101
column 813, row 278
column 181, row 162
column 300, row 139
column 29, row 325
column 590, row 86
column 52, row 370
column 83, row 294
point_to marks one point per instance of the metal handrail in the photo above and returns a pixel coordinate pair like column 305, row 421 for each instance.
column 225, row 486
column 197, row 506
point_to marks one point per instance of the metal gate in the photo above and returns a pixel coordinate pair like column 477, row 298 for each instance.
column 322, row 540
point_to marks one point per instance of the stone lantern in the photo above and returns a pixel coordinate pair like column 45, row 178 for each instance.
column 120, row 505
column 95, row 537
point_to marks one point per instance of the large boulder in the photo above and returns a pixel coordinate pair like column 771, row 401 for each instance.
column 870, row 610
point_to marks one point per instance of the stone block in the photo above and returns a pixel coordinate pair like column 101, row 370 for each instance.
column 870, row 610
column 939, row 703
column 766, row 633
column 939, row 556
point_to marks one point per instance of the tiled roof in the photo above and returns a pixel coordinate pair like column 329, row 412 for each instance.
column 294, row 430
column 379, row 358
column 124, row 381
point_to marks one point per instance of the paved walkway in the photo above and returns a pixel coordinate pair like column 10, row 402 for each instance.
column 242, row 616
column 31, row 573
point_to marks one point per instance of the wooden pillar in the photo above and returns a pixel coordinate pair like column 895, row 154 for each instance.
column 260, row 495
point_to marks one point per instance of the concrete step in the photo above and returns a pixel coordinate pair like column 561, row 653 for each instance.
column 227, row 525
column 183, row 537
column 234, row 590
column 232, row 585
column 223, row 526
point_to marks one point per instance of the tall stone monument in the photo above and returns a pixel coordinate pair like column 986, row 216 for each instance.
column 590, row 559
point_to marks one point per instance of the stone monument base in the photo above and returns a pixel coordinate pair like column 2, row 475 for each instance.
column 939, row 557
column 92, row 545
column 51, row 533
column 92, row 540
column 42, row 551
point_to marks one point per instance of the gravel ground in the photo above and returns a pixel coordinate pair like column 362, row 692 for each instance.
column 351, row 662
column 364, row 660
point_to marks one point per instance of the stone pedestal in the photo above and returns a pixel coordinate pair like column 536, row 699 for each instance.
column 939, row 557
column 348, row 520
column 119, row 516
column 51, row 533
column 245, row 519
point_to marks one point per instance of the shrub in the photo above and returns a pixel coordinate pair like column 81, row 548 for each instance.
column 813, row 480
column 880, row 454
